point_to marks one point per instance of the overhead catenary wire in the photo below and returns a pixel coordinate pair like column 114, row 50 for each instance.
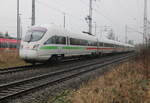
column 101, row 14
column 134, row 30
column 59, row 11
column 98, row 12
column 84, row 3
column 73, row 16
column 138, row 8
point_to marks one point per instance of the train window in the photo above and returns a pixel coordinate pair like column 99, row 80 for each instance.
column 91, row 43
column 108, row 45
column 7, row 45
column 56, row 40
column 84, row 42
column 100, row 44
column 81, row 42
column 95, row 43
column 34, row 35
column 74, row 41
column 10, row 45
column 13, row 45
column 105, row 45
column 111, row 45
column 60, row 40
column 51, row 41
column 3, row 45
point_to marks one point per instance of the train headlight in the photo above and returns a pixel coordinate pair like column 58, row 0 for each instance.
column 35, row 47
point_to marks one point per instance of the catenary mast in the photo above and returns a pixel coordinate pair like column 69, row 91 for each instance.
column 18, row 24
column 33, row 13
column 145, row 23
column 90, row 17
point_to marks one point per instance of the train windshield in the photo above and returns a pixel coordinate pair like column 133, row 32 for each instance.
column 34, row 35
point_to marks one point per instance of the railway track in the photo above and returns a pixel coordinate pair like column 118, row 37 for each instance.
column 11, row 76
column 16, row 69
column 13, row 89
column 29, row 67
column 5, row 71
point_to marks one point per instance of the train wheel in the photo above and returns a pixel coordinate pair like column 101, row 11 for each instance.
column 54, row 59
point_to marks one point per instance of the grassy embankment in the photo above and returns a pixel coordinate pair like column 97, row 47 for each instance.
column 127, row 83
column 10, row 59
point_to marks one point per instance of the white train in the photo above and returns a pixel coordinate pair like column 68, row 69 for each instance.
column 43, row 43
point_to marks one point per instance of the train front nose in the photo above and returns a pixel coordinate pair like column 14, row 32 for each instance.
column 28, row 55
column 27, row 52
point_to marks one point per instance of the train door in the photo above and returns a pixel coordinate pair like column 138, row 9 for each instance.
column 49, row 47
column 62, row 42
column 68, row 46
column 97, row 44
column 103, row 47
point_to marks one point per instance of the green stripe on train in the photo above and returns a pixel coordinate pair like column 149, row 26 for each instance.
column 49, row 47
column 65, row 47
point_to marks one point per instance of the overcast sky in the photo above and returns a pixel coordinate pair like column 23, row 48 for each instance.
column 114, row 13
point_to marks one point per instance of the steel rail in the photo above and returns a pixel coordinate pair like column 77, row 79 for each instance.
column 28, row 67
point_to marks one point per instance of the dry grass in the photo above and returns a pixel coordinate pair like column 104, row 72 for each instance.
column 10, row 59
column 127, row 83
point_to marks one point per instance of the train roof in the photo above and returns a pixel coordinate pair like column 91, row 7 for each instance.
column 83, row 36
column 65, row 32
column 80, row 35
column 105, row 40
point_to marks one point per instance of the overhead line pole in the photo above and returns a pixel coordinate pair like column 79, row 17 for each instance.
column 145, row 23
column 33, row 13
column 126, row 32
column 18, row 24
column 90, row 17
column 64, row 20
column 95, row 28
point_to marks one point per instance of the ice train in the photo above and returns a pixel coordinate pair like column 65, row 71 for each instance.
column 43, row 43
